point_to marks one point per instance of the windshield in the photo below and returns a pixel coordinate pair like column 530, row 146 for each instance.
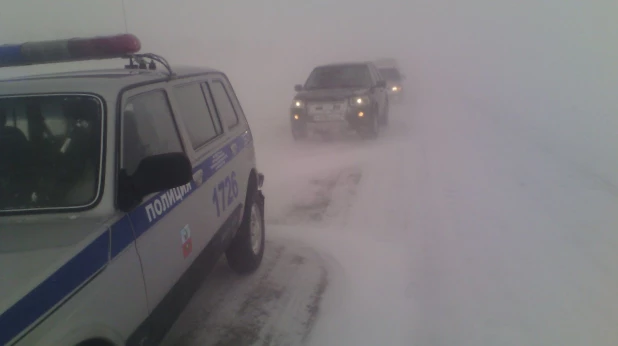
column 50, row 151
column 390, row 74
column 343, row 76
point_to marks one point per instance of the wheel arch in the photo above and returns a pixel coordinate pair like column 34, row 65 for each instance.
column 97, row 342
column 252, row 184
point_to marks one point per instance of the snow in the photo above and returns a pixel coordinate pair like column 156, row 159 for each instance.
column 271, row 304
column 455, row 227
column 467, row 232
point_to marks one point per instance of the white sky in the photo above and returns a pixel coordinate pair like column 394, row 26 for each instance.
column 550, row 63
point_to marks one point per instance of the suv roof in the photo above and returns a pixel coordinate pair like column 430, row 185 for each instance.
column 345, row 64
column 100, row 80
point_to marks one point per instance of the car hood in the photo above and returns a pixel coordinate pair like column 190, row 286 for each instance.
column 32, row 251
column 329, row 94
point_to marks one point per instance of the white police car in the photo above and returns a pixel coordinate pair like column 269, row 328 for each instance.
column 119, row 190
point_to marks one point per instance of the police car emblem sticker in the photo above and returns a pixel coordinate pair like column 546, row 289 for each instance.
column 187, row 243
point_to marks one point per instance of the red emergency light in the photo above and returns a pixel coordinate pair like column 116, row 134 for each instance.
column 75, row 49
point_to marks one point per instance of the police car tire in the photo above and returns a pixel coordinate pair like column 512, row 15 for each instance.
column 240, row 255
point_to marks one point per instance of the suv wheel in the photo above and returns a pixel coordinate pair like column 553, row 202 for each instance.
column 299, row 132
column 371, row 131
column 386, row 113
column 247, row 249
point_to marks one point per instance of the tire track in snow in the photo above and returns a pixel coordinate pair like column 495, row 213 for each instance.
column 277, row 305
column 324, row 200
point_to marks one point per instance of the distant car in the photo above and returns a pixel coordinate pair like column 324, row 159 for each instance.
column 119, row 191
column 394, row 82
column 340, row 97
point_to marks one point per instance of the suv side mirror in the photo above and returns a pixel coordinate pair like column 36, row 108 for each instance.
column 381, row 84
column 153, row 174
column 298, row 87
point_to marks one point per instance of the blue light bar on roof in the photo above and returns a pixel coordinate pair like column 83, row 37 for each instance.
column 75, row 49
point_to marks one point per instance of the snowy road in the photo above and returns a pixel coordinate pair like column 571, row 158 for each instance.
column 453, row 228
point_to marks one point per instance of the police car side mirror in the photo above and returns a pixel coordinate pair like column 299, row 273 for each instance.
column 298, row 87
column 162, row 172
column 153, row 174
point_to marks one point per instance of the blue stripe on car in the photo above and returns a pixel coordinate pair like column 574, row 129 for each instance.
column 94, row 257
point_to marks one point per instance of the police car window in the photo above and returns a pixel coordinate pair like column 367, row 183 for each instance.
column 236, row 103
column 223, row 103
column 196, row 114
column 54, row 120
column 215, row 117
column 148, row 129
column 50, row 151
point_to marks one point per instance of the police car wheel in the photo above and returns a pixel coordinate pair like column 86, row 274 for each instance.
column 247, row 249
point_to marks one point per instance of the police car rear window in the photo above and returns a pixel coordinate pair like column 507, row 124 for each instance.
column 50, row 151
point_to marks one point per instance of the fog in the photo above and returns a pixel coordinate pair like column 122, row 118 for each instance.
column 548, row 65
column 463, row 228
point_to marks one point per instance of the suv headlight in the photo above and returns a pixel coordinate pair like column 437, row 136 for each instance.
column 298, row 104
column 359, row 101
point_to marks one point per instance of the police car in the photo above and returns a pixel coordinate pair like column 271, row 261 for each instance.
column 119, row 190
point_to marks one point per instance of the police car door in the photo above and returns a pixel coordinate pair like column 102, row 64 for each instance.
column 159, row 223
column 233, row 162
column 205, row 137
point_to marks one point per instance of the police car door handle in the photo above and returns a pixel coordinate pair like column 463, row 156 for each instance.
column 198, row 177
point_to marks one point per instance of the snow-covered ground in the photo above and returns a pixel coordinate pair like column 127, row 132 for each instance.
column 453, row 228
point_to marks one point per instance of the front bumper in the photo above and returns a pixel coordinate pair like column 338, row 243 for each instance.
column 353, row 118
column 395, row 95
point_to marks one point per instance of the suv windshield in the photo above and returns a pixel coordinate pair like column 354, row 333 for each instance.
column 390, row 74
column 50, row 151
column 341, row 76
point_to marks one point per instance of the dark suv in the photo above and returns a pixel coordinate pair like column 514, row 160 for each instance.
column 340, row 97
column 394, row 80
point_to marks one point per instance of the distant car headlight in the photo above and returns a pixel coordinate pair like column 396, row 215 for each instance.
column 358, row 101
column 298, row 104
column 395, row 88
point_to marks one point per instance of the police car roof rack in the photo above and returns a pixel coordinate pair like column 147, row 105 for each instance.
column 138, row 61
column 80, row 49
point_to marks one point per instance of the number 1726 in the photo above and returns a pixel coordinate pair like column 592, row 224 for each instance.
column 225, row 193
